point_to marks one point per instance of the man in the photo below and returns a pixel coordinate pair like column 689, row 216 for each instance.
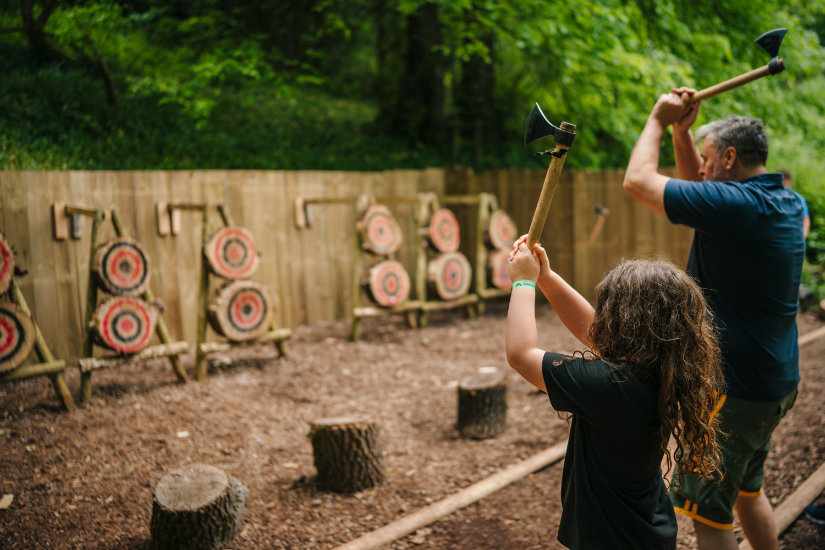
column 787, row 181
column 747, row 256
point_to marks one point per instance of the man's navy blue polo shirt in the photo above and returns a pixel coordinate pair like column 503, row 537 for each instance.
column 747, row 256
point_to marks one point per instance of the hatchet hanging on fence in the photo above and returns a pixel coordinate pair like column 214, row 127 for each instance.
column 770, row 42
column 536, row 128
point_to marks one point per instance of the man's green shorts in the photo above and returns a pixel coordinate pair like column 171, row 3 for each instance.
column 747, row 427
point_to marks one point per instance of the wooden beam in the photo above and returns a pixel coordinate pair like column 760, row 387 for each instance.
column 461, row 499
column 811, row 336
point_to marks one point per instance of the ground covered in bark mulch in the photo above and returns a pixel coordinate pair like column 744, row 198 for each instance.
column 84, row 478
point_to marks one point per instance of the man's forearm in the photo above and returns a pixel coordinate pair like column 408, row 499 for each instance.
column 642, row 179
column 687, row 157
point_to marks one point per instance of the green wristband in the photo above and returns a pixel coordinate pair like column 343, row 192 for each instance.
column 524, row 282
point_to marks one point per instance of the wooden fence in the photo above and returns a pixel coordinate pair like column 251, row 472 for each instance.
column 309, row 271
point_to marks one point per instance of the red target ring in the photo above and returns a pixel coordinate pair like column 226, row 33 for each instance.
column 389, row 283
column 231, row 253
column 125, row 324
column 241, row 310
column 443, row 231
column 450, row 274
column 122, row 267
column 497, row 268
column 379, row 229
column 16, row 336
column 501, row 230
column 6, row 264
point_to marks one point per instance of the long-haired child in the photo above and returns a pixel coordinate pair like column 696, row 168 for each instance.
column 650, row 371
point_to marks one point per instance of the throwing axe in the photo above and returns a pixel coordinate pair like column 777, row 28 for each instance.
column 770, row 42
column 538, row 127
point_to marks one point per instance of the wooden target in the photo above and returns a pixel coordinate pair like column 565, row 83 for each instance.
column 241, row 310
column 380, row 232
column 449, row 274
column 389, row 283
column 125, row 324
column 443, row 231
column 497, row 268
column 501, row 230
column 17, row 332
column 6, row 264
column 122, row 267
column 230, row 253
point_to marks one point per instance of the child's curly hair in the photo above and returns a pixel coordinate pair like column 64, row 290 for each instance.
column 652, row 316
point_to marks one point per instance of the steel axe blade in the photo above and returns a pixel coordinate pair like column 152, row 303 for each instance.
column 538, row 127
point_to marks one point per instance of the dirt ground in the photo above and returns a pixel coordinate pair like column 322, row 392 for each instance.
column 84, row 479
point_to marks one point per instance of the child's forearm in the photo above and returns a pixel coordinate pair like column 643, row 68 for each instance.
column 574, row 311
column 521, row 339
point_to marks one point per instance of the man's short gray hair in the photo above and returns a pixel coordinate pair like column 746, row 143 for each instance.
column 745, row 134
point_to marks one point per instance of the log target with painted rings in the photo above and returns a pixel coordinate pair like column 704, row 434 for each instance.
column 497, row 268
column 379, row 230
column 230, row 253
column 501, row 230
column 122, row 267
column 443, row 231
column 6, row 264
column 389, row 283
column 450, row 274
column 241, row 310
column 125, row 324
column 17, row 334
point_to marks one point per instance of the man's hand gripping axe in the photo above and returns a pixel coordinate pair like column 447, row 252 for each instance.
column 770, row 42
column 536, row 128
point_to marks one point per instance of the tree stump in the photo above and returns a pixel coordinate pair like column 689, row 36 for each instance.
column 347, row 453
column 196, row 507
column 482, row 405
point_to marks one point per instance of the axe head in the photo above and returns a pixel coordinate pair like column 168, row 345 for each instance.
column 538, row 127
column 771, row 40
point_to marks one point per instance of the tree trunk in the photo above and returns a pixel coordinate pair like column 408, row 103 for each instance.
column 482, row 405
column 196, row 507
column 347, row 453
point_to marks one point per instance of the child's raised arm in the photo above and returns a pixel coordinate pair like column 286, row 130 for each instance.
column 520, row 334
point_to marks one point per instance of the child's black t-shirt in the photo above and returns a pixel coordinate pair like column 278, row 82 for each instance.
column 613, row 495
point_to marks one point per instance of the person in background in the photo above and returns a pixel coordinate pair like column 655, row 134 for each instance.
column 747, row 255
column 806, row 221
column 651, row 372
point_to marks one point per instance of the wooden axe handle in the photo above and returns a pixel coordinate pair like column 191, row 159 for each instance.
column 546, row 197
column 734, row 82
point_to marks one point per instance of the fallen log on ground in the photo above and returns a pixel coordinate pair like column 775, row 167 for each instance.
column 450, row 504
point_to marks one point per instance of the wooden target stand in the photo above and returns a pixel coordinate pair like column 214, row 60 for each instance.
column 493, row 233
column 365, row 253
column 64, row 214
column 169, row 222
column 48, row 366
column 429, row 257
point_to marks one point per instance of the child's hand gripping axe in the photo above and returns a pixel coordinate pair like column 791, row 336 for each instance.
column 536, row 128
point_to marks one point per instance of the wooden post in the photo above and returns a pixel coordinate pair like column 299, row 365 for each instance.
column 196, row 506
column 203, row 302
column 91, row 303
column 482, row 405
column 160, row 328
column 347, row 453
